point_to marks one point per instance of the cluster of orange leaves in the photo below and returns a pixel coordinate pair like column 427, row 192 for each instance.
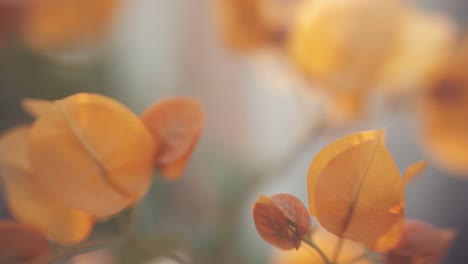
column 49, row 25
column 354, row 50
column 356, row 193
column 87, row 157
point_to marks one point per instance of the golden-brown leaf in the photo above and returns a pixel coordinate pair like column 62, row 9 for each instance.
column 53, row 25
column 357, row 194
column 421, row 243
column 36, row 107
column 272, row 225
column 92, row 153
column 349, row 253
column 176, row 125
column 31, row 205
column 20, row 244
column 413, row 171
column 320, row 161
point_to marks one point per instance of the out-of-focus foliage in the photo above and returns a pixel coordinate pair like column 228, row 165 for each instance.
column 247, row 25
column 443, row 111
column 421, row 243
column 87, row 156
column 50, row 25
column 22, row 244
column 340, row 44
column 103, row 148
column 176, row 125
column 29, row 203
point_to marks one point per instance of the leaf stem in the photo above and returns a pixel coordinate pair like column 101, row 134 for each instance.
column 309, row 242
column 337, row 252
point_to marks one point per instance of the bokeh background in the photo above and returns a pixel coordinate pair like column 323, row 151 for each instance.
column 262, row 127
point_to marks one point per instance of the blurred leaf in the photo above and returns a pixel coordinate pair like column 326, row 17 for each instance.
column 175, row 124
column 413, row 171
column 20, row 244
column 29, row 203
column 421, row 243
column 102, row 147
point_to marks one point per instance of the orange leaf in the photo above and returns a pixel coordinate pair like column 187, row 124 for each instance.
column 92, row 153
column 176, row 125
column 21, row 244
column 30, row 204
column 320, row 162
column 294, row 210
column 357, row 191
column 413, row 171
column 421, row 243
column 274, row 226
column 36, row 107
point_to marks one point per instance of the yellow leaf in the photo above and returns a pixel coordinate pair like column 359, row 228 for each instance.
column 92, row 153
column 36, row 107
column 176, row 125
column 21, row 244
column 31, row 205
column 413, row 171
column 355, row 192
column 349, row 253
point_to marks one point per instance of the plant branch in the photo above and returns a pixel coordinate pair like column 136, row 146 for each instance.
column 309, row 242
column 337, row 252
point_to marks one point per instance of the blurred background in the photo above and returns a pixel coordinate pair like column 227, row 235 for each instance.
column 264, row 121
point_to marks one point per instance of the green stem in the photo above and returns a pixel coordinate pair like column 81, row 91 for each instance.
column 309, row 242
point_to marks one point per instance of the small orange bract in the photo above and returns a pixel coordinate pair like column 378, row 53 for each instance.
column 21, row 244
column 92, row 153
column 29, row 203
column 281, row 221
column 175, row 124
